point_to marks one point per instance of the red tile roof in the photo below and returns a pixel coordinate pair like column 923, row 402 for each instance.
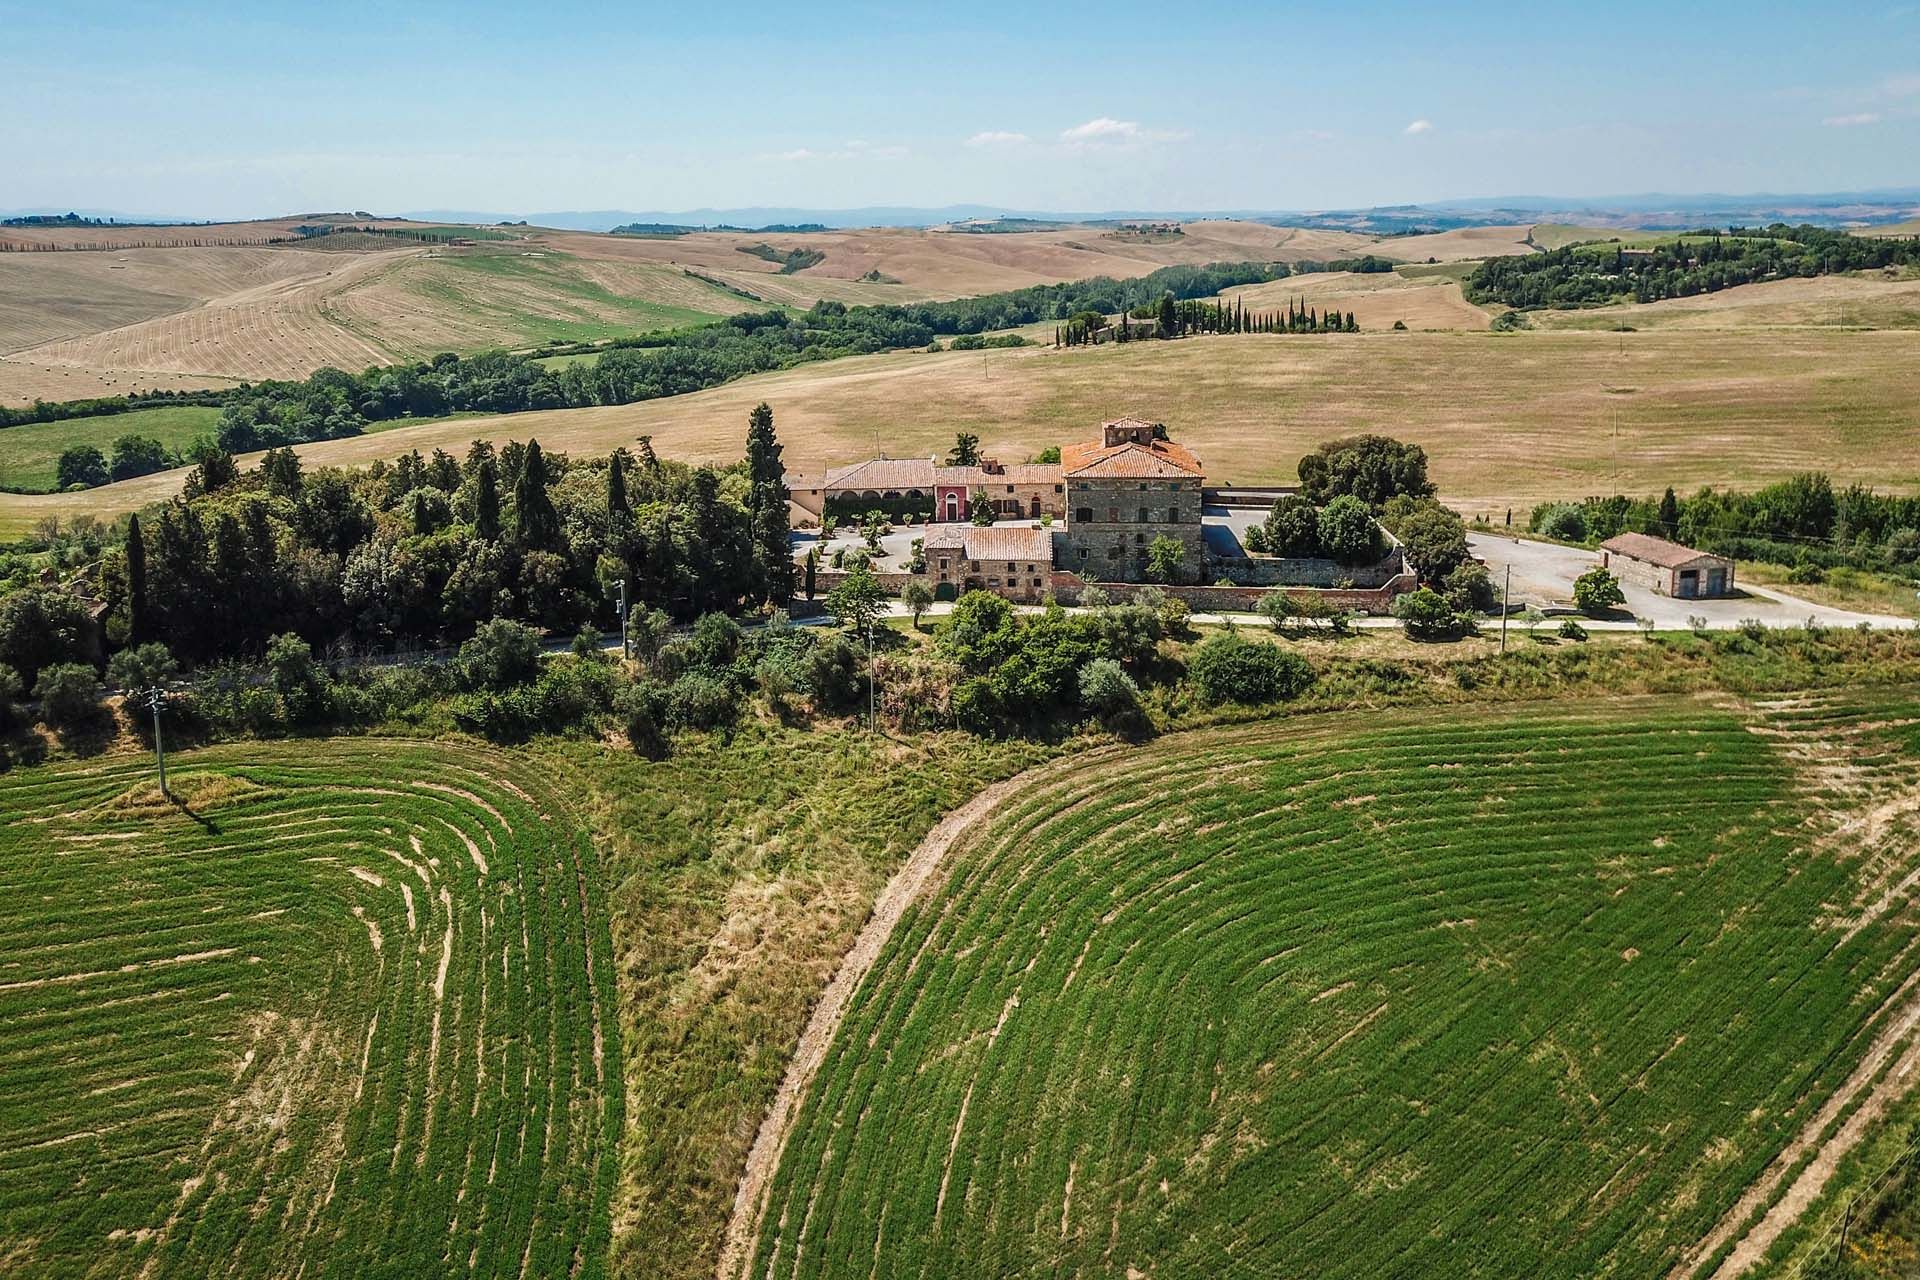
column 1656, row 551
column 1161, row 459
column 993, row 542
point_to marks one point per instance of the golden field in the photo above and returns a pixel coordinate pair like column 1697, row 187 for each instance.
column 1508, row 419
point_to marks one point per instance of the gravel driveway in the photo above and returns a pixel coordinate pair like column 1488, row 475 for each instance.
column 1543, row 575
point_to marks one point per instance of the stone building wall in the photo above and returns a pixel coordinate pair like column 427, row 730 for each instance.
column 1125, row 517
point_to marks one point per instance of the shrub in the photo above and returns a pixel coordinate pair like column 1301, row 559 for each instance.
column 1427, row 615
column 501, row 654
column 1597, row 591
column 976, row 708
column 642, row 707
column 141, row 667
column 1226, row 668
column 68, row 693
column 1806, row 574
column 716, row 640
column 833, row 673
column 1166, row 559
column 1256, row 539
column 1903, row 546
column 1347, row 531
column 300, row 684
column 1566, row 521
column 1094, row 598
column 1433, row 538
column 698, row 700
column 918, row 597
column 1108, row 691
column 1571, row 630
column 9, row 695
column 1469, row 588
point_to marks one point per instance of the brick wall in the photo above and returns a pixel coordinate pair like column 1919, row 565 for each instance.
column 1373, row 600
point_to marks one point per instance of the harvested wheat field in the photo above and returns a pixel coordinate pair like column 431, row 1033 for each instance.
column 342, row 1017
column 1527, row 416
column 1376, row 299
column 1460, row 244
column 24, row 381
column 1419, row 996
column 1868, row 301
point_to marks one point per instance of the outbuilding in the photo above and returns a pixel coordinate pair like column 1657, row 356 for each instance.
column 1666, row 567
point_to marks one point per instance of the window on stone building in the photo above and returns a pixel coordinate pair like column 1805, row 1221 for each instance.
column 1083, row 515
column 1113, row 515
column 1113, row 553
column 1146, row 515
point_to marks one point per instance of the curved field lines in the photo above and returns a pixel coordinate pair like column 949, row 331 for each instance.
column 341, row 1018
column 282, row 328
column 1540, row 995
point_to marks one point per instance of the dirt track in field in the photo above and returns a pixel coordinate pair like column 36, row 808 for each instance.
column 921, row 869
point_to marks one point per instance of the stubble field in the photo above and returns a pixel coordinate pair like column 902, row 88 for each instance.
column 1428, row 996
column 1508, row 419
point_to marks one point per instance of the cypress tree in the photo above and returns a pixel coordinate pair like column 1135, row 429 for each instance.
column 486, row 502
column 1669, row 514
column 617, row 485
column 536, row 525
column 770, row 524
column 648, row 458
column 136, row 583
column 813, row 562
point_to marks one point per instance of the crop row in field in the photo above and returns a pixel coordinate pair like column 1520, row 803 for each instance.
column 1535, row 996
column 341, row 1015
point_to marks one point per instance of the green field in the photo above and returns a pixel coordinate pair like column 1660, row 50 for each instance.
column 29, row 454
column 352, row 1013
column 1534, row 993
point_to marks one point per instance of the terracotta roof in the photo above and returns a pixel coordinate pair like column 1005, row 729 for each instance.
column 1162, row 458
column 1012, row 473
column 1127, row 420
column 945, row 537
column 1008, row 542
column 1652, row 550
column 883, row 473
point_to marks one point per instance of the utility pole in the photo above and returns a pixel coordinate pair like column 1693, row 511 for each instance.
column 157, row 698
column 870, row 681
column 1506, row 596
column 626, row 648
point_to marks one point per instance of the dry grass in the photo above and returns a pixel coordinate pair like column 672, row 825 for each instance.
column 1459, row 244
column 1876, row 300
column 1911, row 227
column 1376, row 299
column 1508, row 419
column 24, row 381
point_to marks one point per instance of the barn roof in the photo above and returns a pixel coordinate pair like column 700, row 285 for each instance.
column 883, row 473
column 993, row 542
column 1656, row 551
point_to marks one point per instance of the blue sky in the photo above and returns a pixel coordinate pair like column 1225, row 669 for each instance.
column 246, row 109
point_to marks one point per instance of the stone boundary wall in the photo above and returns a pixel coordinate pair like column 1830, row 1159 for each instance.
column 1066, row 588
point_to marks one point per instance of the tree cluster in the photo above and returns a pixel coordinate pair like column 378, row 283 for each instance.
column 1703, row 262
column 1800, row 520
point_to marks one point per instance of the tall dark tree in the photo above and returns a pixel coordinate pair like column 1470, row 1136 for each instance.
column 617, row 485
column 1166, row 315
column 649, row 460
column 536, row 525
column 1669, row 514
column 770, row 526
column 965, row 451
column 136, row 583
column 486, row 502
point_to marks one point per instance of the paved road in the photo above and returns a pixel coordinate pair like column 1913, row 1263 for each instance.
column 1544, row 572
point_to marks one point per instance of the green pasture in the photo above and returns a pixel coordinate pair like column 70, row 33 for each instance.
column 30, row 453
column 1529, row 991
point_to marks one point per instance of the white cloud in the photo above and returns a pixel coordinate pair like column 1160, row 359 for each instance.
column 1105, row 131
column 997, row 138
column 1847, row 121
column 856, row 149
column 1418, row 127
column 1102, row 129
column 1905, row 86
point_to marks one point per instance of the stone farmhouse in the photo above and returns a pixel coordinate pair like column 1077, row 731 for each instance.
column 1123, row 491
column 1666, row 567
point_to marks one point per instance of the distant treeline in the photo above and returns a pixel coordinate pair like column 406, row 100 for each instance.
column 62, row 410
column 667, row 230
column 1802, row 520
column 1701, row 262
column 332, row 403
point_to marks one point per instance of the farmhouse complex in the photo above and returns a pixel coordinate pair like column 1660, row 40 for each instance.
column 1127, row 506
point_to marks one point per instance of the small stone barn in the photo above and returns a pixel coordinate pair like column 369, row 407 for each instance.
column 1666, row 567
